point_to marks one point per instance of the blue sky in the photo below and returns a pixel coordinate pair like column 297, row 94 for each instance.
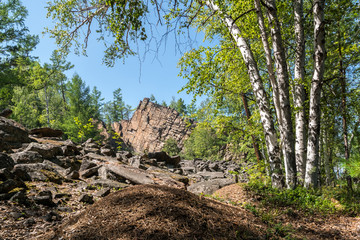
column 158, row 76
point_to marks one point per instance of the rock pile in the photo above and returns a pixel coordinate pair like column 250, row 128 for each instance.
column 44, row 179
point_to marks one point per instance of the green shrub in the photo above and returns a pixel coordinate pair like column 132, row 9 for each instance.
column 203, row 143
column 171, row 147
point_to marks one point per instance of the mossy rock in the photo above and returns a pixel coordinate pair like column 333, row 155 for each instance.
column 52, row 176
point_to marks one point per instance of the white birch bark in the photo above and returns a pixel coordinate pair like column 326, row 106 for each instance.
column 269, row 60
column 286, row 129
column 261, row 98
column 299, row 90
column 47, row 105
column 312, row 163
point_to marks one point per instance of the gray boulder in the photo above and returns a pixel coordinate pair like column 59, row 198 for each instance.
column 164, row 157
column 209, row 187
column 11, row 184
column 47, row 150
column 46, row 132
column 40, row 172
column 134, row 175
column 12, row 134
column 69, row 148
column 86, row 198
column 211, row 175
column 107, row 151
column 87, row 164
column 5, row 174
column 103, row 192
column 27, row 157
column 6, row 161
column 90, row 172
column 106, row 183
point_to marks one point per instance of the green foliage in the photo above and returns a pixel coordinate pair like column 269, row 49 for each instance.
column 171, row 147
column 15, row 46
column 353, row 166
column 116, row 110
column 203, row 143
column 179, row 105
column 124, row 21
column 118, row 140
column 84, row 130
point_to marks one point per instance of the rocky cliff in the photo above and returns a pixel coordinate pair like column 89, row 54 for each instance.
column 151, row 125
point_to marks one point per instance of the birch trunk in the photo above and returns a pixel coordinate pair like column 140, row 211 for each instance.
column 269, row 60
column 261, row 98
column 312, row 163
column 47, row 105
column 286, row 129
column 299, row 90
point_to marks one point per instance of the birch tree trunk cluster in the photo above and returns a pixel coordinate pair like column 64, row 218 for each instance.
column 293, row 158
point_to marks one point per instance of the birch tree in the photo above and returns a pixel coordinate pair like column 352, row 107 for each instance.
column 312, row 164
column 299, row 91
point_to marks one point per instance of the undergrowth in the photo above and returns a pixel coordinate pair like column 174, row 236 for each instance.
column 326, row 200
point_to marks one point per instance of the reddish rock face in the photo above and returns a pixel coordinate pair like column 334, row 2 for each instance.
column 151, row 125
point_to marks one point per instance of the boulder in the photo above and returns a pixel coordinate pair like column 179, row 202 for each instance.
column 103, row 192
column 44, row 198
column 6, row 161
column 209, row 187
column 164, row 157
column 86, row 198
column 46, row 132
column 46, row 150
column 40, row 172
column 90, row 172
column 5, row 174
column 20, row 198
column 11, row 184
column 87, row 164
column 107, row 151
column 107, row 174
column 73, row 175
column 12, row 134
column 211, row 175
column 135, row 161
column 27, row 157
column 69, row 148
column 134, row 175
column 106, row 183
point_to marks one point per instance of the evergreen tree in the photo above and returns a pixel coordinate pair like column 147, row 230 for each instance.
column 15, row 46
column 81, row 111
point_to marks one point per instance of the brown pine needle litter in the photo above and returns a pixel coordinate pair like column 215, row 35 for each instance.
column 159, row 212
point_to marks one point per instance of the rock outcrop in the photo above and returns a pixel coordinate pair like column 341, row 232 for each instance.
column 151, row 125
